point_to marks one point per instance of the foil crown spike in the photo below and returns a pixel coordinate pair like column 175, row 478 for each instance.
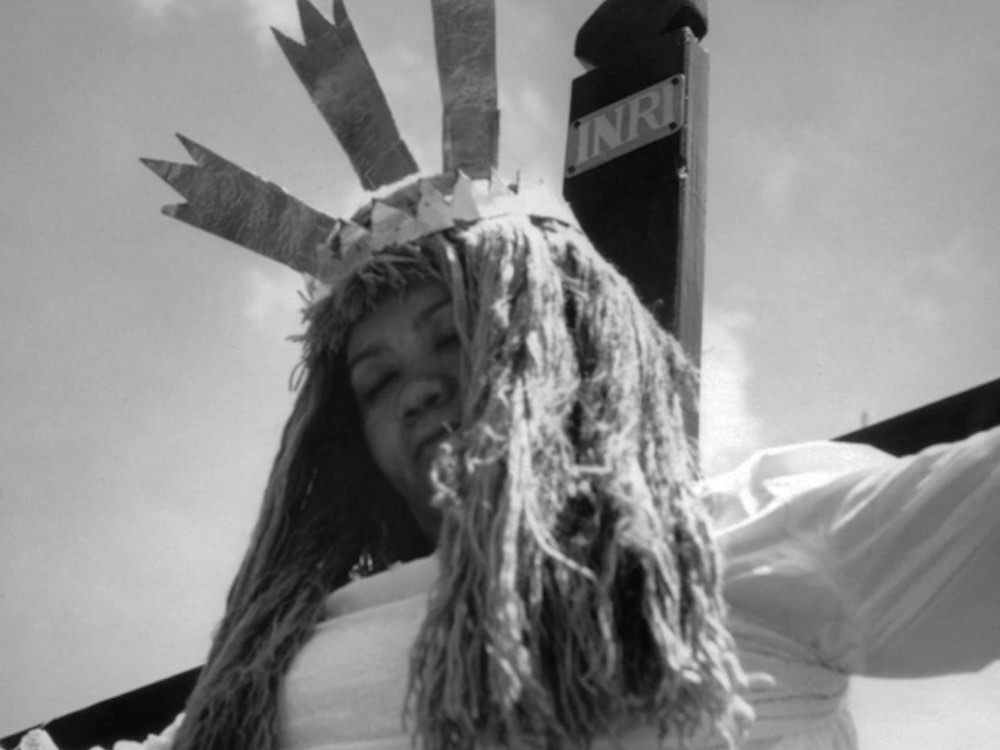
column 230, row 202
column 333, row 67
column 465, row 41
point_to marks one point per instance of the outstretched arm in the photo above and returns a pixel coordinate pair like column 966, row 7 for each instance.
column 876, row 565
column 915, row 551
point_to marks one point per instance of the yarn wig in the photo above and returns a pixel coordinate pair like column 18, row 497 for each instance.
column 579, row 586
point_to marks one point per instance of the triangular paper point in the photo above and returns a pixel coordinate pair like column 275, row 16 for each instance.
column 160, row 168
column 339, row 12
column 433, row 211
column 464, row 206
column 196, row 150
column 292, row 49
column 202, row 155
column 314, row 25
column 498, row 188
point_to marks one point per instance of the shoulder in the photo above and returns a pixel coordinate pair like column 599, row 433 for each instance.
column 399, row 582
column 774, row 474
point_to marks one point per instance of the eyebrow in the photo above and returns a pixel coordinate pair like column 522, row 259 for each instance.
column 421, row 319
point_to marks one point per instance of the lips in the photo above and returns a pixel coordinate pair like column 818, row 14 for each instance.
column 428, row 442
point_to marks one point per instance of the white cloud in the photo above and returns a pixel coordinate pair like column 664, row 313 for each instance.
column 533, row 105
column 730, row 430
column 780, row 181
column 191, row 10
column 272, row 299
column 156, row 7
column 806, row 172
column 531, row 134
column 956, row 262
column 260, row 15
column 930, row 280
column 263, row 14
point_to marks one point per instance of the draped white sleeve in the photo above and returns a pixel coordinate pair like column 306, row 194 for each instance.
column 886, row 569
column 839, row 559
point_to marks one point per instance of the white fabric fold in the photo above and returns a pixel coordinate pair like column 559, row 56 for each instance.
column 839, row 560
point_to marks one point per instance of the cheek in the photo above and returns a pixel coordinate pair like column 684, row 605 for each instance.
column 383, row 442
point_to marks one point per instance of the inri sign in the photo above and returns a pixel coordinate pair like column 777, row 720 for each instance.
column 623, row 126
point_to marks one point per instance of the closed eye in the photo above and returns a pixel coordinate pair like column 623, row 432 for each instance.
column 368, row 394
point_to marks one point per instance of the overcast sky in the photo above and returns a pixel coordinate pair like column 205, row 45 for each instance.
column 852, row 268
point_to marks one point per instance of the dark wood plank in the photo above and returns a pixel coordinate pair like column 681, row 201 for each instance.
column 944, row 421
column 645, row 209
column 130, row 716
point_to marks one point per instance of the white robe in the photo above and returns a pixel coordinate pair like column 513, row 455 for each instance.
column 839, row 560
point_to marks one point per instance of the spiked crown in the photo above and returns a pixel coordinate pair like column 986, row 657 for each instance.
column 232, row 203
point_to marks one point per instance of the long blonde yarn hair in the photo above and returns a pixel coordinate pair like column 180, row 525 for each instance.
column 579, row 586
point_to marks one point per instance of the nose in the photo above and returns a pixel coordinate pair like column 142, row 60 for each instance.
column 427, row 392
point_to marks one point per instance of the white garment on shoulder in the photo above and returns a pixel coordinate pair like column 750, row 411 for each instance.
column 839, row 560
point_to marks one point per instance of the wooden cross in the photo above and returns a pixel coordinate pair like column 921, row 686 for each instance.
column 635, row 155
column 635, row 177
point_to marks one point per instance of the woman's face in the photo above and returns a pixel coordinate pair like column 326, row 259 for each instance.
column 403, row 360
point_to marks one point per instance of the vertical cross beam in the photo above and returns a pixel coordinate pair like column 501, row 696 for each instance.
column 636, row 152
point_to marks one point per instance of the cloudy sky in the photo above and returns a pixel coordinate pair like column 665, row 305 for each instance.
column 852, row 269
